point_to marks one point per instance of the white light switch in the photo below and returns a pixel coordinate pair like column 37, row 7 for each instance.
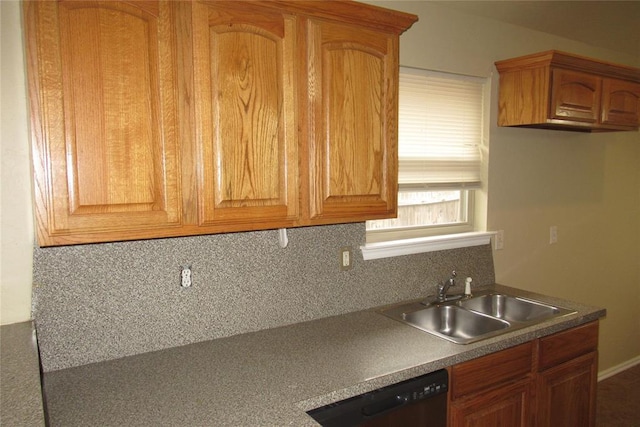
column 345, row 258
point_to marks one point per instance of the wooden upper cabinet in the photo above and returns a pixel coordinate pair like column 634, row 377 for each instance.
column 353, row 75
column 246, row 115
column 575, row 96
column 620, row 102
column 558, row 90
column 103, row 119
column 172, row 118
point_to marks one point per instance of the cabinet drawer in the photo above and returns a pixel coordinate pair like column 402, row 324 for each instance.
column 484, row 372
column 567, row 345
column 503, row 406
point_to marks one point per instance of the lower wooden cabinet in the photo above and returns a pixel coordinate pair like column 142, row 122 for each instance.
column 504, row 406
column 493, row 390
column 567, row 377
column 566, row 394
column 550, row 381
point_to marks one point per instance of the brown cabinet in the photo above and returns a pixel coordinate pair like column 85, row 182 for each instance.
column 557, row 90
column 352, row 123
column 504, row 406
column 172, row 118
column 246, row 114
column 567, row 378
column 546, row 382
column 575, row 96
column 620, row 103
column 493, row 390
column 103, row 118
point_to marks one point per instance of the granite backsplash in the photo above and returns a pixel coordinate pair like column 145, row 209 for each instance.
column 105, row 301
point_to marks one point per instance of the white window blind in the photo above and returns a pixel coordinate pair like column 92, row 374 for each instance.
column 439, row 130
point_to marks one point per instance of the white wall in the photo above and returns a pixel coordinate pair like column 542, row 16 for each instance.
column 16, row 218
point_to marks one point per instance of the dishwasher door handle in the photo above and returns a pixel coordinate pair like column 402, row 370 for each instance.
column 384, row 405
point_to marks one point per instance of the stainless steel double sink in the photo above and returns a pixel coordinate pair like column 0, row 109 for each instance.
column 475, row 318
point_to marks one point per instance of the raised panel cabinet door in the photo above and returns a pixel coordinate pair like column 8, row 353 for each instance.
column 245, row 112
column 575, row 96
column 103, row 119
column 620, row 103
column 352, row 88
column 504, row 406
column 566, row 394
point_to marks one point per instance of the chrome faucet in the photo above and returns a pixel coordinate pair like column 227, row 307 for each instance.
column 444, row 287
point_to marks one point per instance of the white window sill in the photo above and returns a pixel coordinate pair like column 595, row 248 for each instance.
column 425, row 244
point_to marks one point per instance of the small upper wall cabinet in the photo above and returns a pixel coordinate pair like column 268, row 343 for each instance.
column 557, row 90
column 173, row 118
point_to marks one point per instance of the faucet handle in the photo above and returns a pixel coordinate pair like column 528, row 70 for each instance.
column 452, row 279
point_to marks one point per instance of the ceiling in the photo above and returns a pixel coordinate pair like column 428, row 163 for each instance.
column 612, row 25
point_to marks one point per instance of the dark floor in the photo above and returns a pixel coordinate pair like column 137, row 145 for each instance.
column 619, row 400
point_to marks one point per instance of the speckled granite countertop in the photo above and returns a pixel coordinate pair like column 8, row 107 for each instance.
column 20, row 392
column 270, row 377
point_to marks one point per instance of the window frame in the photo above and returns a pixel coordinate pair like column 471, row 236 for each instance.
column 410, row 240
column 467, row 201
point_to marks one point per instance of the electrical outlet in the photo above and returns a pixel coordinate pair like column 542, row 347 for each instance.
column 499, row 240
column 345, row 258
column 185, row 276
column 553, row 234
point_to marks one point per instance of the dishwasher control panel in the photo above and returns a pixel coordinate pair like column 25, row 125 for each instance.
column 389, row 401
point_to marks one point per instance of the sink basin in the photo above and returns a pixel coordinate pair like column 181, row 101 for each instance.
column 482, row 316
column 454, row 323
column 511, row 309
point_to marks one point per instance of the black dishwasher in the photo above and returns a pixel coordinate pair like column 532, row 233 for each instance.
column 420, row 401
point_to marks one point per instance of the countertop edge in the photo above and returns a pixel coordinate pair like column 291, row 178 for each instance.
column 20, row 387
